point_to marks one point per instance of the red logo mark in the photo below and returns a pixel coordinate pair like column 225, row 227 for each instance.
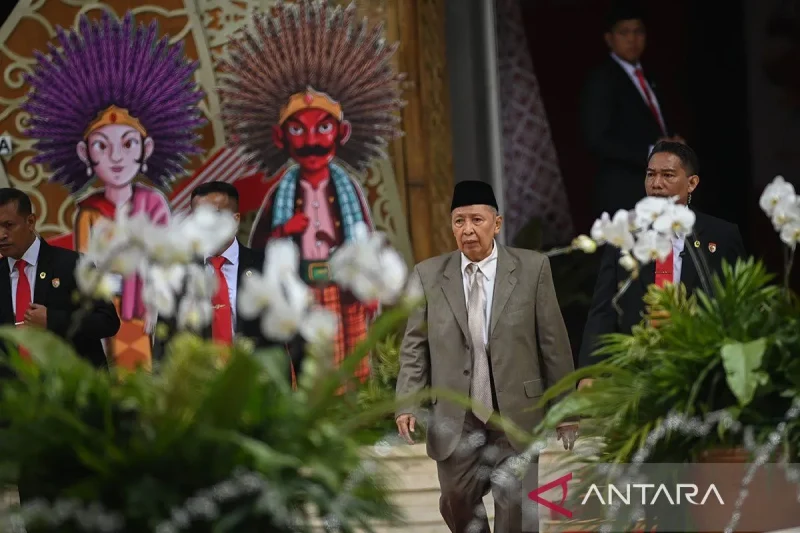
column 554, row 507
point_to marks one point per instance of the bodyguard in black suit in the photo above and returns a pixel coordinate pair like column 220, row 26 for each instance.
column 622, row 116
column 235, row 262
column 671, row 171
column 37, row 283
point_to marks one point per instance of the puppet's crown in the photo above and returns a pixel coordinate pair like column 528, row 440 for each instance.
column 310, row 99
column 115, row 115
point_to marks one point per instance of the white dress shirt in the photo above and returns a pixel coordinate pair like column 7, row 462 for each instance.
column 677, row 260
column 31, row 257
column 230, row 269
column 488, row 268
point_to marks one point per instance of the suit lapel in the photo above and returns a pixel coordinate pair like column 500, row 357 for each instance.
column 245, row 268
column 633, row 90
column 503, row 284
column 6, row 307
column 43, row 274
column 453, row 288
column 689, row 275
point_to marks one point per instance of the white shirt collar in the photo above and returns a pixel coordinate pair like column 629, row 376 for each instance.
column 488, row 266
column 630, row 69
column 231, row 253
column 31, row 255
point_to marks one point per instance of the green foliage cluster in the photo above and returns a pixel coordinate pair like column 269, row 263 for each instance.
column 738, row 351
column 184, row 444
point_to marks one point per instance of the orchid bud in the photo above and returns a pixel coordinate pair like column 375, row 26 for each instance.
column 585, row 244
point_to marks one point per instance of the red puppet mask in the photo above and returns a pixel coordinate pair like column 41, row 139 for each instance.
column 310, row 136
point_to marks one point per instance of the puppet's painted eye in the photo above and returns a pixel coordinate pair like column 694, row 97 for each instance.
column 325, row 128
column 100, row 146
column 295, row 130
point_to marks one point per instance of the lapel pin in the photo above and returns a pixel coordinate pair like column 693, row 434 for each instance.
column 56, row 283
column 42, row 275
column 712, row 247
column 697, row 244
column 248, row 272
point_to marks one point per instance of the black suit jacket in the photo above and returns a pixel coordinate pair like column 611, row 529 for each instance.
column 618, row 128
column 603, row 318
column 250, row 261
column 54, row 289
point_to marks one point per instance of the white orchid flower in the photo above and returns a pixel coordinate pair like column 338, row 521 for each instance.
column 319, row 327
column 598, row 232
column 677, row 220
column 618, row 233
column 159, row 291
column 282, row 319
column 648, row 210
column 394, row 273
column 93, row 283
column 790, row 233
column 281, row 257
column 193, row 314
column 369, row 268
column 206, row 230
column 778, row 190
column 627, row 262
column 257, row 292
column 786, row 211
column 651, row 246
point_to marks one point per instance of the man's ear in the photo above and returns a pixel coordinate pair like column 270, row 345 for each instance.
column 694, row 181
column 498, row 223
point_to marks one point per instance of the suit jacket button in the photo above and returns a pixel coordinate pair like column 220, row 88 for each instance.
column 466, row 372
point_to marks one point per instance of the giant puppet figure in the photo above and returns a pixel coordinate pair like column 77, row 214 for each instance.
column 312, row 92
column 113, row 104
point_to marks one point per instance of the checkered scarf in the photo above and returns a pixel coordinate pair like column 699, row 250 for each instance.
column 346, row 196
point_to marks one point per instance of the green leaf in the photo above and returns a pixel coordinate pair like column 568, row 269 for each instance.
column 45, row 348
column 741, row 362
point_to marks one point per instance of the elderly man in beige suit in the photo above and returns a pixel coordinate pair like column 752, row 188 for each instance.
column 490, row 329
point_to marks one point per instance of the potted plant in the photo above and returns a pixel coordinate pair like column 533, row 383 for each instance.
column 719, row 381
column 216, row 439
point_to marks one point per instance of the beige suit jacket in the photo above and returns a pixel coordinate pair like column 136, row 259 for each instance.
column 528, row 343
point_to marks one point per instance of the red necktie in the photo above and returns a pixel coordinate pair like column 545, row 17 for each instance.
column 23, row 298
column 664, row 271
column 222, row 321
column 650, row 103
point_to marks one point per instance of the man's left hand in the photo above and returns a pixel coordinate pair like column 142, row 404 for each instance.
column 567, row 433
column 36, row 315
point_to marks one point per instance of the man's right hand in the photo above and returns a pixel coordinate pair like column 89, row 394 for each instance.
column 585, row 382
column 296, row 225
column 406, row 425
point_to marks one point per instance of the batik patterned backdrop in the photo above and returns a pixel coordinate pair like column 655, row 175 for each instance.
column 204, row 26
column 533, row 184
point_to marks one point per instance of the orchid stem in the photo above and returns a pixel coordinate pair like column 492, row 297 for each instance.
column 559, row 251
column 787, row 269
column 620, row 292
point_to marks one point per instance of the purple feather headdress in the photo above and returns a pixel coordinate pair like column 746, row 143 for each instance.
column 112, row 62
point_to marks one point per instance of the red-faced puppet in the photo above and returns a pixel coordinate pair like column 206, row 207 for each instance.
column 313, row 93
